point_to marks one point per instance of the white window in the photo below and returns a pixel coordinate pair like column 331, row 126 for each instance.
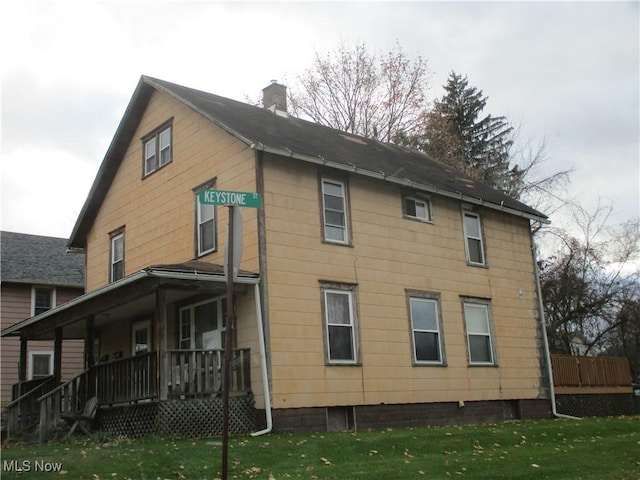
column 203, row 325
column 425, row 327
column 417, row 208
column 157, row 150
column 40, row 364
column 42, row 299
column 339, row 324
column 334, row 209
column 478, row 329
column 117, row 257
column 473, row 238
column 206, row 231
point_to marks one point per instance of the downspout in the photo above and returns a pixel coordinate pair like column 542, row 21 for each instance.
column 263, row 364
column 545, row 339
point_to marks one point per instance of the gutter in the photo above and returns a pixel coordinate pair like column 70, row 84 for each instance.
column 545, row 339
column 14, row 330
column 398, row 181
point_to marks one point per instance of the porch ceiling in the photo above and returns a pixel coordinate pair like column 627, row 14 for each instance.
column 130, row 298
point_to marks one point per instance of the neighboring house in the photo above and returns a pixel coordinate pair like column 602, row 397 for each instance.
column 37, row 275
column 390, row 289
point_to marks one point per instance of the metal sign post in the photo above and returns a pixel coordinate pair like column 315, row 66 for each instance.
column 227, row 348
column 233, row 200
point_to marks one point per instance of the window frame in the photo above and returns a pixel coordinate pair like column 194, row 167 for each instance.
column 467, row 237
column 32, row 354
column 350, row 291
column 155, row 138
column 434, row 298
column 344, row 185
column 211, row 183
column 486, row 304
column 416, row 198
column 113, row 237
column 34, row 296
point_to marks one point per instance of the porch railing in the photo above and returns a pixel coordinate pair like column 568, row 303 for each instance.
column 129, row 379
column 199, row 372
column 22, row 413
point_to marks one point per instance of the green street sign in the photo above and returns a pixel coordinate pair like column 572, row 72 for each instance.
column 223, row 197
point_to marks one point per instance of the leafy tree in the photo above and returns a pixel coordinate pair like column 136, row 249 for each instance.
column 590, row 288
column 355, row 91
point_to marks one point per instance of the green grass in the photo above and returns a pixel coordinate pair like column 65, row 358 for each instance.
column 595, row 448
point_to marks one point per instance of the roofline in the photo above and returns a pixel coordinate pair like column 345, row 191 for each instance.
column 39, row 283
column 14, row 330
column 400, row 181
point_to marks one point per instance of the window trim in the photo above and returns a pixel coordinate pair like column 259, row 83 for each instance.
column 344, row 184
column 350, row 291
column 53, row 298
column 491, row 335
column 467, row 237
column 33, row 353
column 417, row 198
column 113, row 236
column 155, row 136
column 436, row 299
column 211, row 183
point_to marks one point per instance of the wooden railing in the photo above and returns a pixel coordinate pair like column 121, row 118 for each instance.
column 191, row 373
column 66, row 399
column 590, row 373
column 199, row 372
column 22, row 414
column 127, row 380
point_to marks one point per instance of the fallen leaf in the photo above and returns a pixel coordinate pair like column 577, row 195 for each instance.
column 325, row 461
column 535, row 465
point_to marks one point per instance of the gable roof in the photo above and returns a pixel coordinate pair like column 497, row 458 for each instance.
column 35, row 259
column 268, row 131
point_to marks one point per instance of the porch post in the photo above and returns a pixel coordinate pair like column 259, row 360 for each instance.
column 89, row 355
column 22, row 365
column 161, row 343
column 57, row 356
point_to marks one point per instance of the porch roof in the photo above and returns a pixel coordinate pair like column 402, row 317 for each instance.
column 129, row 297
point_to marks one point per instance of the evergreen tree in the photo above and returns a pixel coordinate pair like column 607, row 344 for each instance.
column 479, row 146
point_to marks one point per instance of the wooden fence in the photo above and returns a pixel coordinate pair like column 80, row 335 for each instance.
column 590, row 374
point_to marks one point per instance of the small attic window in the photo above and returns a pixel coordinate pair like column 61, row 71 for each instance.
column 417, row 208
column 157, row 149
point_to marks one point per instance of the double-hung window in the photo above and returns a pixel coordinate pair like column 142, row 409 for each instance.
column 478, row 330
column 206, row 231
column 426, row 328
column 203, row 325
column 42, row 299
column 340, row 324
column 334, row 211
column 116, row 270
column 157, row 149
column 474, row 246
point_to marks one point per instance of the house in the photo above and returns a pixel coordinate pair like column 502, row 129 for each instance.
column 37, row 275
column 377, row 286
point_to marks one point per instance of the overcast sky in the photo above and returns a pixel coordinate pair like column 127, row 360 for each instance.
column 567, row 73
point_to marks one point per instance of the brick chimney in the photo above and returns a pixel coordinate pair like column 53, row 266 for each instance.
column 274, row 96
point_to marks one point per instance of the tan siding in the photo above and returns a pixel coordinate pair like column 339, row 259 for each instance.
column 389, row 255
column 159, row 210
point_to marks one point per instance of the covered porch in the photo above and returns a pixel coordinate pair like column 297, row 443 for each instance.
column 152, row 339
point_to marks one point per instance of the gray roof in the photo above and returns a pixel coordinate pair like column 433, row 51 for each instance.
column 39, row 260
column 300, row 140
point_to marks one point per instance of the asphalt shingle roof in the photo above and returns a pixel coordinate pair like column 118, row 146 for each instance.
column 40, row 260
column 299, row 139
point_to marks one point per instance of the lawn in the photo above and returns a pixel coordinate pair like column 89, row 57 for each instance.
column 594, row 448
